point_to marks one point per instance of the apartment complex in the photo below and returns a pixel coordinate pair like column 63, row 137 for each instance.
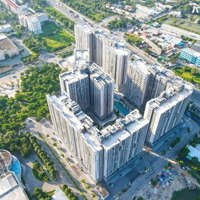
column 105, row 51
column 33, row 21
column 101, row 152
column 91, row 88
column 167, row 110
column 145, row 82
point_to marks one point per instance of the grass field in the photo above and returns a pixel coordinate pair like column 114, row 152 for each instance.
column 189, row 74
column 55, row 37
column 184, row 24
column 186, row 194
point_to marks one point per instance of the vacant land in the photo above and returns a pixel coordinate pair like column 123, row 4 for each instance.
column 55, row 38
column 189, row 74
column 186, row 24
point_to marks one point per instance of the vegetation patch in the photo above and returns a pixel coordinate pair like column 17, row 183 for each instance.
column 23, row 143
column 186, row 24
column 39, row 172
column 133, row 39
column 122, row 23
column 193, row 164
column 55, row 38
column 68, row 192
column 175, row 142
column 39, row 194
column 189, row 74
column 30, row 101
column 186, row 194
column 52, row 39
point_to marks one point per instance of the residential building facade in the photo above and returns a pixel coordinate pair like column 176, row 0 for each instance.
column 166, row 111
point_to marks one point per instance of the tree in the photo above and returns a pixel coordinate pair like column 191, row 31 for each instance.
column 184, row 152
column 195, row 160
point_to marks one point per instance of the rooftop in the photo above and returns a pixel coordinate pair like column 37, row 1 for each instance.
column 194, row 152
column 5, row 43
column 175, row 92
column 196, row 47
column 191, row 52
column 11, row 189
column 71, row 111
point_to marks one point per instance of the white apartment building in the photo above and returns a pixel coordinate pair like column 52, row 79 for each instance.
column 91, row 88
column 42, row 17
column 123, row 141
column 137, row 82
column 115, row 63
column 31, row 22
column 70, row 123
column 166, row 111
column 34, row 24
column 157, row 81
column 76, row 85
column 84, row 39
column 145, row 82
column 101, row 92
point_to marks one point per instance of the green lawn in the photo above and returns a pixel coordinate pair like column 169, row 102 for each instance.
column 186, row 194
column 189, row 74
column 55, row 37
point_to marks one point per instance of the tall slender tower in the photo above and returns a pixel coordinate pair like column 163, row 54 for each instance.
column 84, row 39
